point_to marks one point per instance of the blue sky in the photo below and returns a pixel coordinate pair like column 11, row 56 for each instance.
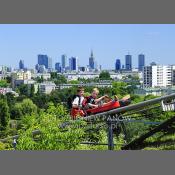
column 108, row 41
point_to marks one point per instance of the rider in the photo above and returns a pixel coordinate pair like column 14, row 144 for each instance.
column 77, row 103
column 92, row 101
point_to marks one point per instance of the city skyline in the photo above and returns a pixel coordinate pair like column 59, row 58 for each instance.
column 108, row 42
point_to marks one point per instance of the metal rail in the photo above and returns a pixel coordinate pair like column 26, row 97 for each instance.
column 35, row 132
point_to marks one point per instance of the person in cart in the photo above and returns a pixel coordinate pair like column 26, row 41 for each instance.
column 76, row 103
column 94, row 102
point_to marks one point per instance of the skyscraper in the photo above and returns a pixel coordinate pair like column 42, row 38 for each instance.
column 128, row 62
column 73, row 63
column 21, row 64
column 45, row 60
column 117, row 65
column 91, row 61
column 58, row 67
column 141, row 62
column 95, row 65
column 63, row 61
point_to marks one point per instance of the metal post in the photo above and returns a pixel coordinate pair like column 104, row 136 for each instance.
column 110, row 135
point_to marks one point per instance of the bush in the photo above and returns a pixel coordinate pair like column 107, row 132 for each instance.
column 52, row 137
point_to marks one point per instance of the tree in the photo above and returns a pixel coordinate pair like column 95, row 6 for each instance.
column 119, row 88
column 4, row 114
column 53, row 75
column 104, row 75
column 74, row 82
column 8, row 79
column 26, row 107
column 52, row 137
column 3, row 83
column 60, row 79
column 39, row 80
column 32, row 90
column 23, row 89
column 41, row 100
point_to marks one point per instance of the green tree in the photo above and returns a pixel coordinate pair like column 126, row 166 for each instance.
column 23, row 89
column 4, row 114
column 119, row 88
column 60, row 79
column 41, row 100
column 104, row 75
column 74, row 82
column 3, row 83
column 8, row 79
column 52, row 137
column 26, row 107
column 32, row 90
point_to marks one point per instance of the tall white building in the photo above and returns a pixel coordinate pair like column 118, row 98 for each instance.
column 173, row 75
column 158, row 76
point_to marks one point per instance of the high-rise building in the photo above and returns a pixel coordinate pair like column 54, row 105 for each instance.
column 128, row 62
column 141, row 61
column 73, row 64
column 117, row 65
column 95, row 65
column 100, row 67
column 157, row 76
column 45, row 60
column 37, row 67
column 91, row 61
column 21, row 64
column 58, row 67
column 63, row 61
column 173, row 75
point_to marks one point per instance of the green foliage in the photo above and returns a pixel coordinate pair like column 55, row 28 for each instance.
column 74, row 82
column 40, row 100
column 23, row 89
column 5, row 146
column 59, row 110
column 136, row 98
column 149, row 97
column 4, row 114
column 3, row 83
column 57, row 78
column 26, row 107
column 119, row 88
column 104, row 75
column 52, row 137
column 32, row 90
column 39, row 79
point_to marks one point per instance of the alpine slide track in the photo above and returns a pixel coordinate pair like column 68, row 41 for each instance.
column 115, row 121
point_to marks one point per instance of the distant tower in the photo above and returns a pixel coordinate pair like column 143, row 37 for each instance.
column 141, row 61
column 58, row 67
column 91, row 61
column 21, row 64
column 128, row 62
column 45, row 60
column 73, row 63
column 117, row 65
column 63, row 61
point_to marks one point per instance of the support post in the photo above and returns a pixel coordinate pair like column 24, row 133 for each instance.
column 110, row 135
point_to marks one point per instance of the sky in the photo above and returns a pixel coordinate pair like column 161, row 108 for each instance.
column 108, row 42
